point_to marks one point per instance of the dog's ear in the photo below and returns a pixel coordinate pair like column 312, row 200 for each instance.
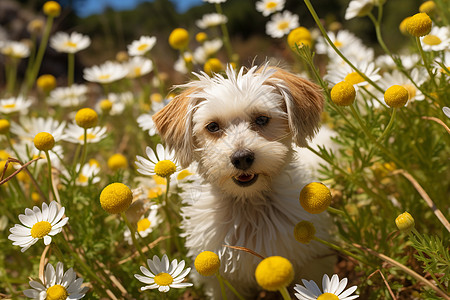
column 304, row 104
column 174, row 124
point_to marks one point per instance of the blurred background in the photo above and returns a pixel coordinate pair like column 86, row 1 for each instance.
column 113, row 24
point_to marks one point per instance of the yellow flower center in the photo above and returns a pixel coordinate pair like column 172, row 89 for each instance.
column 154, row 192
column 116, row 198
column 271, row 4
column 304, row 232
column 82, row 178
column 179, row 38
column 104, row 76
column 328, row 296
column 405, row 222
column 163, row 279
column 52, row 8
column 143, row 224
column 44, row 141
column 283, row 25
column 396, row 96
column 337, row 44
column 40, row 229
column 105, row 105
column 142, row 47
column 165, row 168
column 94, row 162
column 4, row 126
column 70, row 44
column 12, row 105
column 411, row 90
column 159, row 180
column 86, row 118
column 315, row 197
column 183, row 174
column 354, row 78
column 57, row 292
column 89, row 136
column 419, row 25
column 117, row 161
column 156, row 97
column 343, row 93
column 432, row 40
column 274, row 273
column 207, row 263
column 137, row 71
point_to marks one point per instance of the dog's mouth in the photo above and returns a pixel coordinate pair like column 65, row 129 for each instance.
column 245, row 180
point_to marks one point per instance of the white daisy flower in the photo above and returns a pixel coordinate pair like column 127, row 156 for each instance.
column 57, row 284
column 437, row 40
column 358, row 8
column 335, row 75
column 15, row 49
column 15, row 104
column 105, row 73
column 28, row 127
column 27, row 151
column 145, row 122
column 211, row 20
column 118, row 102
column 145, row 225
column 138, row 66
column 70, row 96
column 439, row 61
column 332, row 289
column 180, row 64
column 342, row 39
column 161, row 163
column 75, row 134
column 267, row 7
column 207, row 49
column 281, row 24
column 408, row 61
column 419, row 76
column 69, row 43
column 163, row 275
column 88, row 174
column 38, row 224
column 141, row 46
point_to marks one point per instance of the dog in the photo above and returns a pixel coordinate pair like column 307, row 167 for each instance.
column 241, row 129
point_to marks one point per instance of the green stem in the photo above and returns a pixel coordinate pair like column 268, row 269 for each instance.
column 156, row 72
column 8, row 138
column 389, row 126
column 70, row 68
column 425, row 61
column 228, row 284
column 12, row 76
column 324, row 33
column 50, row 180
column 226, row 35
column 335, row 211
column 84, row 153
column 222, row 286
column 284, row 292
column 346, row 252
column 133, row 237
column 40, row 54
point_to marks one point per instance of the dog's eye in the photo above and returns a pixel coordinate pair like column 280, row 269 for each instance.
column 262, row 120
column 213, row 127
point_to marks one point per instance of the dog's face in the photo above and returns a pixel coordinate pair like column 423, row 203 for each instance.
column 240, row 128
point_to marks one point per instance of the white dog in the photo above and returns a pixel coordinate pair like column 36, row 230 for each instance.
column 240, row 129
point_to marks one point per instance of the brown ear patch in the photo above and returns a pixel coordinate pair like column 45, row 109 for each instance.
column 304, row 105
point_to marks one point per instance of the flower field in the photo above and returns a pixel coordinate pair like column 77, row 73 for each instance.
column 93, row 202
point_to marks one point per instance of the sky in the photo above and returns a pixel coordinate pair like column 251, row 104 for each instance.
column 91, row 7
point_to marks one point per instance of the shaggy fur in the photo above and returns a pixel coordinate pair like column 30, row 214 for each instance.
column 252, row 200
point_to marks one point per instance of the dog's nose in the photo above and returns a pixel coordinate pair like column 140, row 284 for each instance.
column 242, row 159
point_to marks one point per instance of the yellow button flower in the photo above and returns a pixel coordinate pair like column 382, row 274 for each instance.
column 44, row 141
column 9, row 170
column 116, row 198
column 117, row 161
column 46, row 82
column 405, row 222
column 201, row 37
column 427, row 7
column 35, row 26
column 396, row 96
column 212, row 65
column 274, row 273
column 298, row 36
column 52, row 8
column 179, row 38
column 4, row 126
column 105, row 105
column 304, row 232
column 343, row 94
column 419, row 25
column 86, row 118
column 165, row 168
column 207, row 263
column 315, row 197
